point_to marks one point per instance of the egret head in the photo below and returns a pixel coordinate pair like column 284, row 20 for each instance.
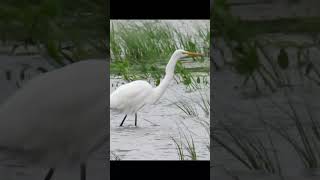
column 180, row 53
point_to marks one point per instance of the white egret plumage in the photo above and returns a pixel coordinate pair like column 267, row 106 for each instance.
column 131, row 97
column 57, row 117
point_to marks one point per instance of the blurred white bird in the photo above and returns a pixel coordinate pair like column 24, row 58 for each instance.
column 131, row 97
column 57, row 117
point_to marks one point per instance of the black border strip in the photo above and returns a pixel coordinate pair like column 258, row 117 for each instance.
column 160, row 169
column 164, row 9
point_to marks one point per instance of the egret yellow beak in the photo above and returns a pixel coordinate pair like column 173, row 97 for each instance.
column 192, row 54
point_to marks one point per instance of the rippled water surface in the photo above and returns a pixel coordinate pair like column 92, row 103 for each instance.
column 151, row 139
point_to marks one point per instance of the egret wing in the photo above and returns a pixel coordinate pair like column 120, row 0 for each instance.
column 130, row 96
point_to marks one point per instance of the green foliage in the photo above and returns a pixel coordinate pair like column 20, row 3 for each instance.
column 124, row 68
column 188, row 145
column 145, row 47
column 140, row 43
column 64, row 28
column 188, row 108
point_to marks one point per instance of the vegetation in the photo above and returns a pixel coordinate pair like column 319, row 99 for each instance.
column 64, row 30
column 185, row 145
column 304, row 138
column 141, row 50
column 266, row 58
column 249, row 48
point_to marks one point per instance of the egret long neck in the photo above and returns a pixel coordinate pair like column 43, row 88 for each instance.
column 159, row 90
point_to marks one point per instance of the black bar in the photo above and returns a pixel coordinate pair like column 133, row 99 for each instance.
column 160, row 170
column 164, row 9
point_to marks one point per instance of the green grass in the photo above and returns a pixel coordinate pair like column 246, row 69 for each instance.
column 179, row 147
column 205, row 123
column 141, row 50
column 152, row 41
column 188, row 108
column 185, row 147
column 140, row 43
column 200, row 86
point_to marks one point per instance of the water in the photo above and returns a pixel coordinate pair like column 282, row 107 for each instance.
column 151, row 140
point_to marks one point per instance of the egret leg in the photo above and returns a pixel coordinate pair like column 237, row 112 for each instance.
column 83, row 171
column 49, row 174
column 123, row 120
column 135, row 119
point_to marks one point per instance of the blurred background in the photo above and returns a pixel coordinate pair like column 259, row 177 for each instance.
column 266, row 89
column 38, row 36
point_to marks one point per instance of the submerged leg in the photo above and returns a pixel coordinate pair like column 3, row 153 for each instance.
column 135, row 120
column 83, row 171
column 49, row 174
column 123, row 120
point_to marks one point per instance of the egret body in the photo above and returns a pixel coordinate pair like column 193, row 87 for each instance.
column 131, row 97
column 57, row 117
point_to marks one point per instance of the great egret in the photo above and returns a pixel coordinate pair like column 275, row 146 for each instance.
column 57, row 118
column 131, row 97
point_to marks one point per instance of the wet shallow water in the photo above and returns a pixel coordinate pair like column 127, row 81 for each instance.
column 151, row 140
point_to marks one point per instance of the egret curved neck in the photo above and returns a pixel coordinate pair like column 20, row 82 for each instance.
column 159, row 90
